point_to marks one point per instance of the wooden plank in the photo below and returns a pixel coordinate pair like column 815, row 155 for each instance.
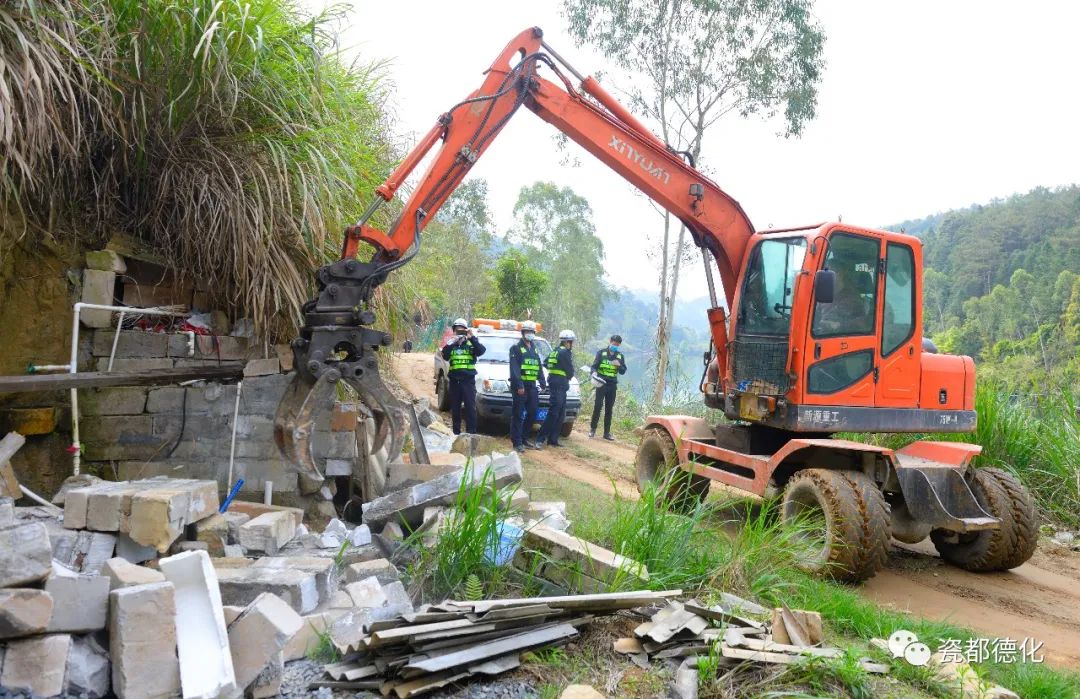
column 101, row 379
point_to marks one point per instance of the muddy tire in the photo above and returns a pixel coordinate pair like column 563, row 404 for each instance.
column 656, row 457
column 566, row 429
column 852, row 543
column 442, row 392
column 1004, row 497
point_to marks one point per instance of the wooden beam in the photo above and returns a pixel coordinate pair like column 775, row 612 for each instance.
column 100, row 379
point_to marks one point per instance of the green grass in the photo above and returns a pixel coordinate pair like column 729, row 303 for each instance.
column 1038, row 439
column 457, row 565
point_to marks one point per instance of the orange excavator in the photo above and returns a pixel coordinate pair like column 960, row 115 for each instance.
column 824, row 336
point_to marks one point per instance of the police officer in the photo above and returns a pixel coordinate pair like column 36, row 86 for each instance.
column 609, row 363
column 560, row 367
column 525, row 372
column 461, row 351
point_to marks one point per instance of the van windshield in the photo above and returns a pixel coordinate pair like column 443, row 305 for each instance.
column 498, row 348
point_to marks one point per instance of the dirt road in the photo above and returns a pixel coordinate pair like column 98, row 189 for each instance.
column 1038, row 600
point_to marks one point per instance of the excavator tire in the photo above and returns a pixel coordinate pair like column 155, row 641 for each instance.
column 654, row 463
column 1013, row 543
column 854, row 535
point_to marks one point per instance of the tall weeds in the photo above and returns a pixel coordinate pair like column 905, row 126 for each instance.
column 228, row 134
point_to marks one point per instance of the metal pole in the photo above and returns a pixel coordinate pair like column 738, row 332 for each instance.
column 232, row 447
column 709, row 277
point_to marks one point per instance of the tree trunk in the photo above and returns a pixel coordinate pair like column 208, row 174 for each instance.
column 663, row 336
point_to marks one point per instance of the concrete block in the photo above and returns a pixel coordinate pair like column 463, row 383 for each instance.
column 105, row 261
column 268, row 682
column 121, row 364
column 132, row 552
column 343, row 418
column 81, row 603
column 108, row 504
column 142, row 641
column 476, row 444
column 285, row 357
column 24, row 612
column 182, row 345
column 87, row 668
column 122, row 400
column 138, row 344
column 409, row 504
column 325, row 570
column 589, row 559
column 113, row 437
column 98, row 287
column 206, row 670
column 397, row 597
column 25, row 554
column 159, row 514
column 234, row 551
column 240, row 586
column 268, row 532
column 383, row 570
column 214, row 532
column 123, row 573
column 257, row 471
column 261, row 394
column 180, row 546
column 259, row 634
column 36, row 665
column 366, row 593
column 262, row 367
column 222, row 347
column 334, row 445
column 307, row 638
column 235, row 519
column 168, row 400
column 83, row 551
column 339, row 467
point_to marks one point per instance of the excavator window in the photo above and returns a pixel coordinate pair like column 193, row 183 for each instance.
column 898, row 324
column 765, row 308
column 854, row 258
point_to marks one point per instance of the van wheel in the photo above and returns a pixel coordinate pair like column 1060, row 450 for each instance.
column 843, row 518
column 566, row 429
column 655, row 463
column 442, row 392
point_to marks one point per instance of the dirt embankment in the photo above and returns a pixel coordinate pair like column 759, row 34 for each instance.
column 1038, row 600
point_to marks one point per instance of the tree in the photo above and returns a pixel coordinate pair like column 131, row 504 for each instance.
column 692, row 62
column 520, row 284
column 555, row 226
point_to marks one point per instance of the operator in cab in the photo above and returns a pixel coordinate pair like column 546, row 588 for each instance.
column 461, row 351
column 608, row 364
column 526, row 372
column 560, row 367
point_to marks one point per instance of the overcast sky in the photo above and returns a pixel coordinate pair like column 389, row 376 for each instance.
column 924, row 106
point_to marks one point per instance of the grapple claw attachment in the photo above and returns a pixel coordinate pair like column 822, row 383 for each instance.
column 294, row 422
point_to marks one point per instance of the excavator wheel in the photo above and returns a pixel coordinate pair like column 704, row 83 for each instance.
column 655, row 462
column 844, row 519
column 1004, row 497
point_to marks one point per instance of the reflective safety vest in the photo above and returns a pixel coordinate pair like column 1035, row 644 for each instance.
column 461, row 357
column 530, row 366
column 606, row 368
column 553, row 364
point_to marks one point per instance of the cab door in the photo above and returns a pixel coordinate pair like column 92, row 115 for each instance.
column 842, row 347
column 901, row 337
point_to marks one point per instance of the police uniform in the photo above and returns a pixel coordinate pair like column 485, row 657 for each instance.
column 604, row 365
column 461, row 380
column 560, row 367
column 525, row 372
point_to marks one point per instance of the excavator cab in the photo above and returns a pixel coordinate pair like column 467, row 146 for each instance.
column 851, row 362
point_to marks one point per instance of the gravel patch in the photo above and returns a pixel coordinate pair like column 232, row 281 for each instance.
column 300, row 673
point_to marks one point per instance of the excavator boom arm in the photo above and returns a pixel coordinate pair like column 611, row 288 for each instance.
column 604, row 128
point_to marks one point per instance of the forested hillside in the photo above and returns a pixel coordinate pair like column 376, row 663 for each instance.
column 1002, row 284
